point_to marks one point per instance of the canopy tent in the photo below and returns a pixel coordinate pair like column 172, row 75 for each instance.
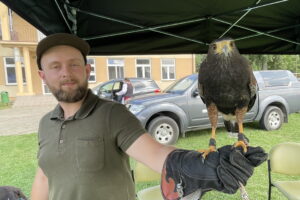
column 114, row 27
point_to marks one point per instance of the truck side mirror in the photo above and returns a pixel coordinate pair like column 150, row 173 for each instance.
column 195, row 93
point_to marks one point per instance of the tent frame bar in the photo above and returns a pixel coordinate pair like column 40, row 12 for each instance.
column 257, row 32
column 155, row 28
column 271, row 31
column 63, row 16
column 239, row 19
column 141, row 28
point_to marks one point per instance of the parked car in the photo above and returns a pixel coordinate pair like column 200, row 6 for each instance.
column 141, row 86
column 179, row 108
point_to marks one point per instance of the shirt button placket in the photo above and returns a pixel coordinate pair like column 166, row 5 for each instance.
column 61, row 141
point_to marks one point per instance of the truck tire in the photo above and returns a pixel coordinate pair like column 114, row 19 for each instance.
column 272, row 118
column 164, row 130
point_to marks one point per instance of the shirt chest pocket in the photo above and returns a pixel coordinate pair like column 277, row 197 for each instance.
column 89, row 154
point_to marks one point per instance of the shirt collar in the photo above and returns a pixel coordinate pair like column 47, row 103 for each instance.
column 86, row 108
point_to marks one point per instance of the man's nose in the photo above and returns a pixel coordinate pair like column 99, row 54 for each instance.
column 66, row 70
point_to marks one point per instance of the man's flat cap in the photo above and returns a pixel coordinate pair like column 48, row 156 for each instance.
column 61, row 39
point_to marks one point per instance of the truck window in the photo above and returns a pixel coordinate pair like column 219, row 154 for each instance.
column 275, row 78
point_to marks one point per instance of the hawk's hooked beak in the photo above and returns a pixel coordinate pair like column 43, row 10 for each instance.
column 225, row 50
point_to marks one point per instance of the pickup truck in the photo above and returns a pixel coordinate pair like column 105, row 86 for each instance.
column 179, row 108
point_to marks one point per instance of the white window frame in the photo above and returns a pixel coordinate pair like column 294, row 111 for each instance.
column 93, row 70
column 116, row 66
column 13, row 66
column 143, row 66
column 44, row 86
column 168, row 66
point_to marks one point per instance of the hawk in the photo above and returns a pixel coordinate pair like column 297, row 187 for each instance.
column 226, row 85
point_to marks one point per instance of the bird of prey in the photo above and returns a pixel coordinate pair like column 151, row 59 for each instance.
column 226, row 85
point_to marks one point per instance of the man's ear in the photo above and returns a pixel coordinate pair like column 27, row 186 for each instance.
column 41, row 74
column 88, row 70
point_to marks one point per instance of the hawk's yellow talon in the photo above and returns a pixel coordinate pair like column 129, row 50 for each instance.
column 241, row 144
column 205, row 152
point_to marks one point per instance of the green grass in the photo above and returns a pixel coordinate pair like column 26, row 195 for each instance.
column 18, row 157
column 18, row 161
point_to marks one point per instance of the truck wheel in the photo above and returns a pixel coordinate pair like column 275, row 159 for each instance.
column 272, row 118
column 164, row 130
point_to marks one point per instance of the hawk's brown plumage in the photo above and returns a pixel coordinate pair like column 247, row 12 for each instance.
column 226, row 85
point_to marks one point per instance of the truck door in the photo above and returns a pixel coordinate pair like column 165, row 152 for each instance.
column 196, row 108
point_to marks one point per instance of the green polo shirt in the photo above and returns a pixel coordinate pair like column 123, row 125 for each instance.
column 84, row 156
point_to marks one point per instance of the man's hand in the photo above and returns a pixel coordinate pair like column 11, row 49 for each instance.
column 185, row 171
column 240, row 165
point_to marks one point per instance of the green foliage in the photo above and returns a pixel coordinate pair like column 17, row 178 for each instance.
column 273, row 62
column 199, row 59
column 266, row 62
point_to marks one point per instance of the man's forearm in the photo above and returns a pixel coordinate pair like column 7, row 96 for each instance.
column 40, row 190
column 148, row 151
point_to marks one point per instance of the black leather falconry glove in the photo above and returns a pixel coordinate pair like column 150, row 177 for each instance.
column 185, row 171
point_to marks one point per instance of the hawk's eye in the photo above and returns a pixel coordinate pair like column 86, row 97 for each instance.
column 214, row 46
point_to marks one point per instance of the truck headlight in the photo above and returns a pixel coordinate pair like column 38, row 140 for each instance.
column 134, row 109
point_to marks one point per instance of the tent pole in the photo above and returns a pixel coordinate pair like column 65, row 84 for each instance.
column 62, row 14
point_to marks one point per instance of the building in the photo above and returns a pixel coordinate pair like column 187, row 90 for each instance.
column 19, row 72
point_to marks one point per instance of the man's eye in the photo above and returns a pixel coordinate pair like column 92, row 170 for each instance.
column 75, row 65
column 54, row 67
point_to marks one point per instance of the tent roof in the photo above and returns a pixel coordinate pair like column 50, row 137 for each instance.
column 114, row 27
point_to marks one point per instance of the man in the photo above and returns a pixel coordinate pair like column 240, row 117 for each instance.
column 84, row 143
column 126, row 92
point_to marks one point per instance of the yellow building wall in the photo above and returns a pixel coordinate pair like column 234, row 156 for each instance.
column 101, row 69
column 4, row 18
column 129, row 68
column 22, row 30
column 155, row 69
column 36, row 81
column 184, row 65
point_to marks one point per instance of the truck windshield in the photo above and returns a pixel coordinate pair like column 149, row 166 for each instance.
column 181, row 85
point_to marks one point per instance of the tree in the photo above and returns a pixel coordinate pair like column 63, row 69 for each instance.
column 266, row 62
column 273, row 62
column 199, row 60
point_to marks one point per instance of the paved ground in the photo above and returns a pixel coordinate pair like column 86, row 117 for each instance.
column 24, row 116
column 21, row 120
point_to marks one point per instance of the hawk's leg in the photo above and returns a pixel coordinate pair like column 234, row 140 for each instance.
column 213, row 117
column 242, row 139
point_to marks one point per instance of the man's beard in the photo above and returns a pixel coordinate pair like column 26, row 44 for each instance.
column 70, row 96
